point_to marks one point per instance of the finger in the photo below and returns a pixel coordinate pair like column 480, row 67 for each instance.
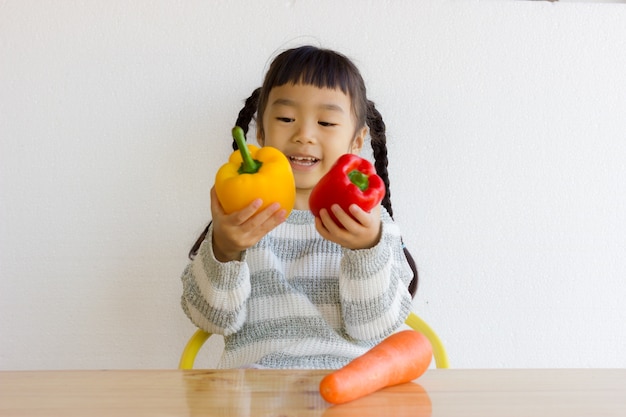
column 346, row 221
column 279, row 216
column 321, row 228
column 243, row 215
column 266, row 214
column 216, row 206
column 329, row 223
column 360, row 215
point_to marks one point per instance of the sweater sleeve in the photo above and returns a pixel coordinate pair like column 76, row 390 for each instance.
column 373, row 285
column 215, row 293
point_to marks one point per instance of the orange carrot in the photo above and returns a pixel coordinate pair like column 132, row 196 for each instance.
column 400, row 358
column 414, row 401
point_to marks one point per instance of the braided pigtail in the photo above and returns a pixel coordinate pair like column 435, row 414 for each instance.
column 243, row 121
column 247, row 113
column 379, row 148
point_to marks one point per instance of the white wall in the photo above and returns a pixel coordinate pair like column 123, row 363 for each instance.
column 507, row 149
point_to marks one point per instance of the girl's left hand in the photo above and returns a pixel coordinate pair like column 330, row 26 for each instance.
column 361, row 230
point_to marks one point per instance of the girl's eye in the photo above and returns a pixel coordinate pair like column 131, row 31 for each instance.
column 327, row 124
column 285, row 119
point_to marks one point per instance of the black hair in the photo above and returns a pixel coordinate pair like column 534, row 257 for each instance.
column 322, row 68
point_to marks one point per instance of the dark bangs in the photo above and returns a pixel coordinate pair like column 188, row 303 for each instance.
column 312, row 66
column 321, row 68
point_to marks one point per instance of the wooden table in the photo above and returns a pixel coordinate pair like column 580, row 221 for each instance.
column 439, row 392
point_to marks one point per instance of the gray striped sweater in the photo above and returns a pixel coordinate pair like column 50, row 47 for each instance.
column 296, row 300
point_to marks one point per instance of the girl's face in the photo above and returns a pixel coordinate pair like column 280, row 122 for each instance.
column 313, row 127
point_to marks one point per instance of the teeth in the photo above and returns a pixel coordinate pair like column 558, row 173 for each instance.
column 303, row 160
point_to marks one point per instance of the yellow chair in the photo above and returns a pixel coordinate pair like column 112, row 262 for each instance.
column 196, row 341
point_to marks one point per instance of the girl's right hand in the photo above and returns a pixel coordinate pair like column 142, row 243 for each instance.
column 235, row 232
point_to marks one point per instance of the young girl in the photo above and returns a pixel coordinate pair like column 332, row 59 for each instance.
column 300, row 291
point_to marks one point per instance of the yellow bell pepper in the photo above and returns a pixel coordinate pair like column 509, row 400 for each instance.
column 253, row 172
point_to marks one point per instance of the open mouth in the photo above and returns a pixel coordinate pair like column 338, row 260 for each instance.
column 305, row 161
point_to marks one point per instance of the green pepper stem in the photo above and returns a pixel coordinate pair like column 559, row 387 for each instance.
column 249, row 165
column 359, row 179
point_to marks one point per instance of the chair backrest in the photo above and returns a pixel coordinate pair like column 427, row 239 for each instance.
column 188, row 357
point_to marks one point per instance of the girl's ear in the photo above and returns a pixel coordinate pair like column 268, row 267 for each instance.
column 358, row 141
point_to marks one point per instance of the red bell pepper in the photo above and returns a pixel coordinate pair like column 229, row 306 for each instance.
column 352, row 180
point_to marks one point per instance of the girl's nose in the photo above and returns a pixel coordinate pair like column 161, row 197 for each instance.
column 305, row 133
